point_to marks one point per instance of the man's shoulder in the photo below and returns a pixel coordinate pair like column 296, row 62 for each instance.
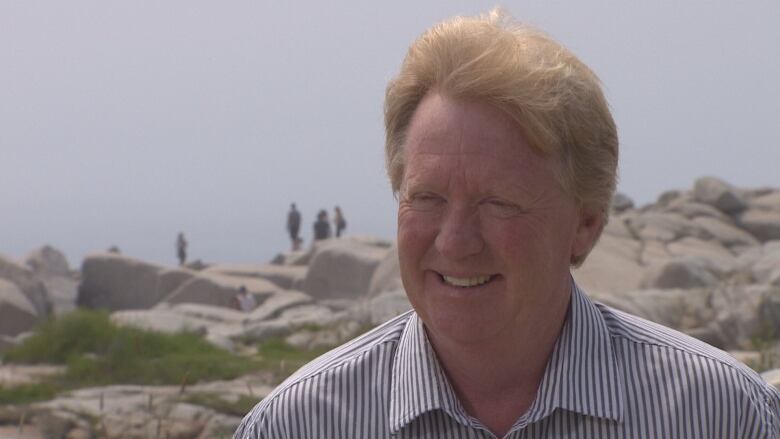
column 362, row 356
column 638, row 339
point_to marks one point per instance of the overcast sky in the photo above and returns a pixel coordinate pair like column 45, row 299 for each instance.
column 122, row 123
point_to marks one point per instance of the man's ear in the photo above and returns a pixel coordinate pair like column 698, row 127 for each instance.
column 591, row 223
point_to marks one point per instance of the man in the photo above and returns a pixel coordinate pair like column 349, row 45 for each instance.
column 181, row 248
column 503, row 154
column 294, row 226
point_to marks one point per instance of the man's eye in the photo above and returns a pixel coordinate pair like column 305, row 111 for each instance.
column 425, row 201
column 502, row 209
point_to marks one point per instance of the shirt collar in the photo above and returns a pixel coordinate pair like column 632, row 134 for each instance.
column 418, row 383
column 581, row 376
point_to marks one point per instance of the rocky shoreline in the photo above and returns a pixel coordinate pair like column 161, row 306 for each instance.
column 705, row 261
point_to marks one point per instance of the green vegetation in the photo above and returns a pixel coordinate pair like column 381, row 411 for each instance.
column 27, row 393
column 98, row 352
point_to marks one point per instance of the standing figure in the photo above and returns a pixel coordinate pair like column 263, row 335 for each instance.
column 322, row 226
column 338, row 221
column 294, row 226
column 181, row 248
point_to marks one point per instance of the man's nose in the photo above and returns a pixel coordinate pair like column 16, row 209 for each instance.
column 459, row 234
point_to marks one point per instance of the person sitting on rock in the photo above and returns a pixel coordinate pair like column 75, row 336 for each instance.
column 243, row 301
column 321, row 226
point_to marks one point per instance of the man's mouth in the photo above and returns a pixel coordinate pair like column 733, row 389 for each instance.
column 464, row 282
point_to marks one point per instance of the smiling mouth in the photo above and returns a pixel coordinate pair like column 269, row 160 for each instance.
column 465, row 282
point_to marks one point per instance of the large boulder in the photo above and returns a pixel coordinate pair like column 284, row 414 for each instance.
column 692, row 209
column 17, row 313
column 51, row 268
column 719, row 194
column 725, row 233
column 387, row 305
column 712, row 251
column 681, row 272
column 288, row 277
column 676, row 308
column 47, row 260
column 764, row 264
column 387, row 275
column 342, row 268
column 762, row 223
column 620, row 203
column 613, row 266
column 62, row 293
column 665, row 227
column 219, row 290
column 115, row 282
column 30, row 286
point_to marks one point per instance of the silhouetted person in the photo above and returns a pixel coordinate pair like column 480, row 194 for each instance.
column 294, row 226
column 338, row 221
column 321, row 226
column 181, row 248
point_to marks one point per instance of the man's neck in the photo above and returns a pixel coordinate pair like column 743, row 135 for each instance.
column 497, row 382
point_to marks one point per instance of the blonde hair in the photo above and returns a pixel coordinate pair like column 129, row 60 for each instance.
column 552, row 95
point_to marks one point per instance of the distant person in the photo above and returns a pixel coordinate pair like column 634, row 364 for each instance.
column 294, row 226
column 338, row 221
column 114, row 249
column 181, row 248
column 243, row 301
column 321, row 226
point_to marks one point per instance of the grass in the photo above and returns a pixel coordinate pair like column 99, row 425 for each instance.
column 27, row 393
column 98, row 352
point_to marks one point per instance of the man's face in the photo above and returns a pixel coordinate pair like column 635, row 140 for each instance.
column 485, row 232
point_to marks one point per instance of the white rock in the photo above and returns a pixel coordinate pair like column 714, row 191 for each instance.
column 277, row 303
column 48, row 260
column 770, row 201
column 219, row 290
column 285, row 276
column 612, row 266
column 160, row 320
column 692, row 209
column 719, row 194
column 30, row 286
column 666, row 227
column 681, row 272
column 387, row 305
column 709, row 250
column 725, row 233
column 387, row 275
column 772, row 377
column 114, row 282
column 763, row 224
column 342, row 268
column 17, row 313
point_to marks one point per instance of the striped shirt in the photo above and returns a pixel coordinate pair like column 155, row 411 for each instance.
column 611, row 375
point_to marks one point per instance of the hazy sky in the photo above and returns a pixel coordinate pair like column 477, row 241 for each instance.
column 125, row 122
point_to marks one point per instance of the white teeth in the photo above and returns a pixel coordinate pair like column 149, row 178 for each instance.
column 466, row 281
